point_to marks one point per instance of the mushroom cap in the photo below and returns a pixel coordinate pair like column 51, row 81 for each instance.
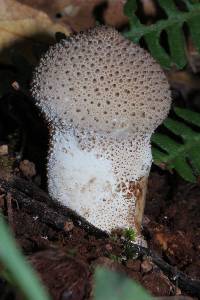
column 100, row 81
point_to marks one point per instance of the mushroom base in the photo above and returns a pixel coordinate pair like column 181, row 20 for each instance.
column 86, row 182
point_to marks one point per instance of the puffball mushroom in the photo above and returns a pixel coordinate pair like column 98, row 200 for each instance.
column 104, row 97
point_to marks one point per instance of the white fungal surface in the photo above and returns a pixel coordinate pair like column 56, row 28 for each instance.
column 104, row 97
column 93, row 178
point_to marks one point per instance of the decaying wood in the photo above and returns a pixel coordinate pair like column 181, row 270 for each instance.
column 37, row 203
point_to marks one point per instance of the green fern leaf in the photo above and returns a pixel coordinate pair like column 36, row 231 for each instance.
column 173, row 26
column 188, row 115
column 182, row 156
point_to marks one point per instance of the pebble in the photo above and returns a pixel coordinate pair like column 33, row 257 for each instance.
column 146, row 266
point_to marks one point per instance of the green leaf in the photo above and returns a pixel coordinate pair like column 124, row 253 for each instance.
column 169, row 7
column 181, row 166
column 152, row 40
column 114, row 286
column 177, row 46
column 130, row 7
column 173, row 27
column 195, row 161
column 188, row 115
column 179, row 128
column 195, row 31
column 159, row 156
column 165, row 143
column 183, row 156
column 21, row 272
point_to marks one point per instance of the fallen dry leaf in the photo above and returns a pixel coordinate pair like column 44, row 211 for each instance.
column 79, row 14
column 183, row 79
column 3, row 149
column 149, row 7
column 19, row 22
column 114, row 15
column 193, row 56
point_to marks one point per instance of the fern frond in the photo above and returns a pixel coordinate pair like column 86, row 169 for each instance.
column 173, row 26
column 184, row 157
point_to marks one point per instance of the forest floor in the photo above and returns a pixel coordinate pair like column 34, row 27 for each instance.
column 65, row 251
column 62, row 248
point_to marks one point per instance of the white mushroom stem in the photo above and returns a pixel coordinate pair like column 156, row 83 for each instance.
column 100, row 177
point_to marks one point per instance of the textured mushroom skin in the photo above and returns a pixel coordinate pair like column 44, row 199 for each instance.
column 101, row 81
column 104, row 97
column 94, row 179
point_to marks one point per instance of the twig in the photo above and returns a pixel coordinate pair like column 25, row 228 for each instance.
column 9, row 209
column 183, row 281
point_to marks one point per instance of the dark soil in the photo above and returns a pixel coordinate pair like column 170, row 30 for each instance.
column 66, row 251
column 173, row 222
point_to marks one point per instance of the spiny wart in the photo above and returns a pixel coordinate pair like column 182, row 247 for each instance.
column 104, row 96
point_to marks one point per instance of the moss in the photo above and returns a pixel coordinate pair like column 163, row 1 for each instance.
column 129, row 234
